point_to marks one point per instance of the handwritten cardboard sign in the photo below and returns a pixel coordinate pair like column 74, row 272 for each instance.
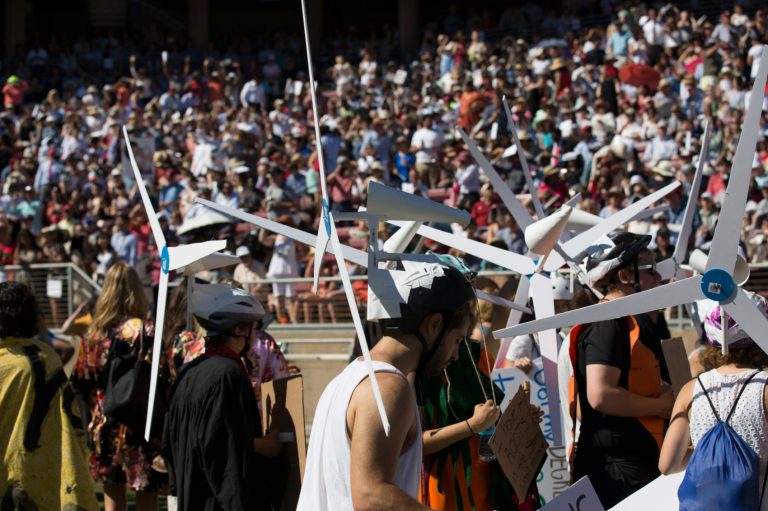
column 282, row 404
column 677, row 363
column 579, row 497
column 519, row 444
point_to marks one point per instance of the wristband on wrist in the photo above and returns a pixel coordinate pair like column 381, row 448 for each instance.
column 470, row 427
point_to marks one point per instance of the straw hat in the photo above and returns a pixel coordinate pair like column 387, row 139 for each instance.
column 557, row 64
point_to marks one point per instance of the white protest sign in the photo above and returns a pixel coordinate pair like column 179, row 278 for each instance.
column 554, row 476
column 54, row 288
column 579, row 497
column 659, row 495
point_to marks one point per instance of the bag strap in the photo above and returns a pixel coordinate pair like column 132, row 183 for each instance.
column 706, row 394
column 44, row 391
column 743, row 387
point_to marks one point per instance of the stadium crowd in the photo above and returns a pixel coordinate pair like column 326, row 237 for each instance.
column 612, row 112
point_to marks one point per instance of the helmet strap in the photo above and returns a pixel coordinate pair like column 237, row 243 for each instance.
column 637, row 276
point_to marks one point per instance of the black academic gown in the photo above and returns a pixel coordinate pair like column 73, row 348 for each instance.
column 208, row 438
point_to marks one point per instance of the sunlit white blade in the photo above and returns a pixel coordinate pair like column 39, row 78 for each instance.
column 521, row 215
column 578, row 244
column 544, row 307
column 157, row 348
column 749, row 318
column 157, row 232
column 574, row 201
column 504, row 258
column 351, row 254
column 315, row 111
column 183, row 255
column 323, row 234
column 523, row 162
column 728, row 229
column 502, row 302
column 349, row 292
column 542, row 235
column 521, row 298
column 666, row 268
column 211, row 262
column 681, row 250
column 676, row 293
column 400, row 240
column 648, row 213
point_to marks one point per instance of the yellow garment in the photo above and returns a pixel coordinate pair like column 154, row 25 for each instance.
column 54, row 475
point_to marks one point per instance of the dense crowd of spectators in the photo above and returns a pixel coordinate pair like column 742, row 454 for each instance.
column 611, row 111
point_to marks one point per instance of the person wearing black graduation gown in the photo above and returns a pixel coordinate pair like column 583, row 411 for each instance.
column 211, row 441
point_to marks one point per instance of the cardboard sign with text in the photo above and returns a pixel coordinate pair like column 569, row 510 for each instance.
column 554, row 476
column 677, row 363
column 519, row 444
column 579, row 497
column 282, row 403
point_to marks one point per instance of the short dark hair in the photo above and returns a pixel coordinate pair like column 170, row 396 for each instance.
column 19, row 313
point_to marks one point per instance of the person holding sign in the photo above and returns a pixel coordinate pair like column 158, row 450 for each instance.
column 352, row 463
column 733, row 389
column 622, row 415
column 456, row 477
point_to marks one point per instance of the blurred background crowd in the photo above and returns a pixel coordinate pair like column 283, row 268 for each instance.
column 611, row 111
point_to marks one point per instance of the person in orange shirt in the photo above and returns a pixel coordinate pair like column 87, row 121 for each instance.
column 13, row 91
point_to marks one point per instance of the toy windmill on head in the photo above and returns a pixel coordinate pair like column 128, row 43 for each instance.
column 327, row 232
column 720, row 280
column 171, row 258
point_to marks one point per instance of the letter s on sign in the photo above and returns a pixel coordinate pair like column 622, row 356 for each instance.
column 578, row 503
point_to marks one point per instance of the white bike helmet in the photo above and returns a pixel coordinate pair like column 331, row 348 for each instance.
column 219, row 307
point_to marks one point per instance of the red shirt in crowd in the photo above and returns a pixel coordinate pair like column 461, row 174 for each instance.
column 13, row 95
column 481, row 213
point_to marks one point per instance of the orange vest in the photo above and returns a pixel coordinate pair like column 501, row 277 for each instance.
column 644, row 377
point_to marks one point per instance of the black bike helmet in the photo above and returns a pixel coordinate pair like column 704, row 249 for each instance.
column 626, row 247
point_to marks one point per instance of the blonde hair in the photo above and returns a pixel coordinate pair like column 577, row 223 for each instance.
column 122, row 297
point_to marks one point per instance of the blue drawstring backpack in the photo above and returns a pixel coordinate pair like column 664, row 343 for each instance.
column 724, row 471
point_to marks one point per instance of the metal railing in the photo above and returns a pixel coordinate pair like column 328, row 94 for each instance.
column 59, row 288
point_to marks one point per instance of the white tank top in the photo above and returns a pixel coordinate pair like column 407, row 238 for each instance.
column 748, row 419
column 326, row 485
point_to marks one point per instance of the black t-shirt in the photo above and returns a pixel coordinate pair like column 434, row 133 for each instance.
column 607, row 343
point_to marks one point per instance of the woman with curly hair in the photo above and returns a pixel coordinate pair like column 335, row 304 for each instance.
column 119, row 455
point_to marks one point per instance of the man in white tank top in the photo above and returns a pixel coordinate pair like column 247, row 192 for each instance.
column 351, row 463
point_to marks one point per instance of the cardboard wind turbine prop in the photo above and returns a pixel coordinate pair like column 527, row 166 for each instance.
column 719, row 280
column 546, row 255
column 171, row 258
column 671, row 267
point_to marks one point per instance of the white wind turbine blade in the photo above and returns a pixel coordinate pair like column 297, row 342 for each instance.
column 184, row 255
column 523, row 162
column 728, row 229
column 504, row 258
column 325, row 227
column 157, row 231
column 521, row 298
column 157, row 347
column 502, row 302
column 544, row 307
column 668, row 267
column 348, row 291
column 521, row 215
column 749, row 318
column 327, row 230
column 351, row 254
column 676, row 293
column 577, row 245
column 162, row 291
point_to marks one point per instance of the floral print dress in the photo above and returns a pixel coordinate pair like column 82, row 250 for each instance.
column 118, row 454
